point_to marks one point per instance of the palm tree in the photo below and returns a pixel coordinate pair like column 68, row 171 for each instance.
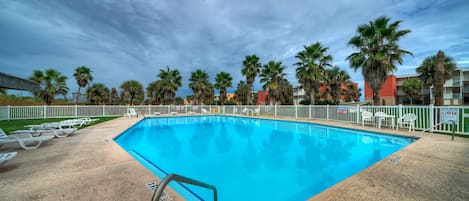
column 223, row 80
column 198, row 82
column 310, row 71
column 285, row 92
column 132, row 92
column 114, row 99
column 251, row 67
column 3, row 91
column 271, row 75
column 412, row 87
column 97, row 93
column 242, row 92
column 208, row 94
column 170, row 81
column 352, row 93
column 83, row 77
column 51, row 83
column 155, row 92
column 428, row 74
column 334, row 80
column 378, row 52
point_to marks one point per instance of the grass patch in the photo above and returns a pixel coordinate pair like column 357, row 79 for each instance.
column 12, row 125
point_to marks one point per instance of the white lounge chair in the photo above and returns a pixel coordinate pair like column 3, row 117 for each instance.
column 257, row 111
column 4, row 157
column 131, row 112
column 407, row 119
column 366, row 116
column 204, row 111
column 23, row 139
column 58, row 132
column 245, row 111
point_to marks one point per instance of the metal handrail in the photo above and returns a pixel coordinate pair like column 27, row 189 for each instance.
column 438, row 124
column 159, row 191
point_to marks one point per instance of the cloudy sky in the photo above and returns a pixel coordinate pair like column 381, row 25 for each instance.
column 133, row 39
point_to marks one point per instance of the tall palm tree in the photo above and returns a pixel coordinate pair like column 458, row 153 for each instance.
column 51, row 83
column 334, row 80
column 208, row 94
column 170, row 82
column 98, row 93
column 251, row 67
column 428, row 73
column 223, row 80
column 242, row 92
column 313, row 61
column 83, row 77
column 198, row 82
column 132, row 92
column 378, row 52
column 412, row 88
column 271, row 75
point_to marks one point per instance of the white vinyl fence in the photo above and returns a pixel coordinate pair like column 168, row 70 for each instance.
column 426, row 115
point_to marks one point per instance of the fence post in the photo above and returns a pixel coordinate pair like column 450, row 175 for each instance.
column 45, row 111
column 327, row 112
column 296, row 111
column 275, row 110
column 149, row 108
column 76, row 110
column 9, row 112
column 210, row 108
column 127, row 109
column 399, row 110
column 432, row 116
column 358, row 113
column 104, row 110
column 309, row 110
column 224, row 109
column 169, row 109
column 185, row 107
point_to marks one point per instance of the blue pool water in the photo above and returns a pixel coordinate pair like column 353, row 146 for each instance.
column 252, row 159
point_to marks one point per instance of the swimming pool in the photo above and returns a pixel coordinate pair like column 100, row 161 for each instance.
column 254, row 159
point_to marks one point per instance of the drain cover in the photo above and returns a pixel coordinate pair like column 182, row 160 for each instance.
column 152, row 186
column 106, row 141
column 395, row 159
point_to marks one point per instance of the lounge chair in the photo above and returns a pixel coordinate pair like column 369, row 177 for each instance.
column 5, row 157
column 58, row 132
column 204, row 111
column 257, row 111
column 366, row 116
column 407, row 119
column 131, row 112
column 174, row 113
column 245, row 111
column 23, row 139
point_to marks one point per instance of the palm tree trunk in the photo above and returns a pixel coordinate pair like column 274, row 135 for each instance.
column 411, row 98
column 311, row 97
column 439, row 78
column 78, row 95
column 376, row 98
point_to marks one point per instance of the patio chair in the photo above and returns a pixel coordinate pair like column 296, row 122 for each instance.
column 366, row 116
column 23, row 139
column 204, row 111
column 5, row 157
column 407, row 119
column 131, row 112
column 245, row 111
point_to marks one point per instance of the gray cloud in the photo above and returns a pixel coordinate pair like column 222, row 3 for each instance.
column 122, row 40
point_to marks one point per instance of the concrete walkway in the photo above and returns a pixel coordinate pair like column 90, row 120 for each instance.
column 84, row 166
column 90, row 166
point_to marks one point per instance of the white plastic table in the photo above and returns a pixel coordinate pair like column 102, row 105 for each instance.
column 379, row 117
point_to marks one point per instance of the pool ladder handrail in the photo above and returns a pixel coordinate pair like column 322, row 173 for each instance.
column 446, row 121
column 159, row 190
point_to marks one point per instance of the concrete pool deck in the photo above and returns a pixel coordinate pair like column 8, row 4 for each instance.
column 90, row 166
